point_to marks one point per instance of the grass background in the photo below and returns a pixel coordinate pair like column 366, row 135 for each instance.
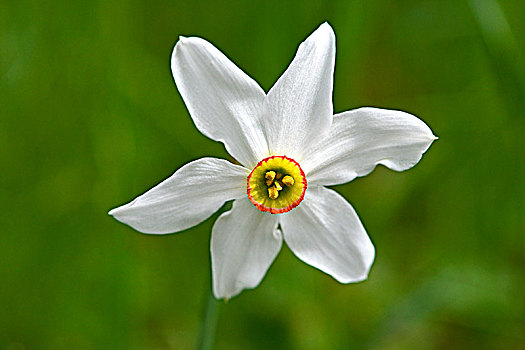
column 90, row 118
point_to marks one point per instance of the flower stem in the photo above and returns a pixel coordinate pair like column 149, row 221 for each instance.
column 208, row 326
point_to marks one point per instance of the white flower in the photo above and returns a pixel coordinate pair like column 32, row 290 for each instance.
column 289, row 145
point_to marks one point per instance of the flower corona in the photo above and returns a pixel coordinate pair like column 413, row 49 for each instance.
column 276, row 185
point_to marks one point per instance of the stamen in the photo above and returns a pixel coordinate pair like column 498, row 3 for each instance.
column 288, row 181
column 273, row 193
column 270, row 175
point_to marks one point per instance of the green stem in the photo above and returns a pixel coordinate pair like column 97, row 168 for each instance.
column 210, row 321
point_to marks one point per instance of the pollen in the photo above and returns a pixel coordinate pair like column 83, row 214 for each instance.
column 273, row 192
column 270, row 175
column 277, row 184
column 288, row 180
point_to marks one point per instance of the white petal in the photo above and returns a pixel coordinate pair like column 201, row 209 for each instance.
column 325, row 232
column 299, row 106
column 244, row 243
column 223, row 101
column 362, row 138
column 186, row 198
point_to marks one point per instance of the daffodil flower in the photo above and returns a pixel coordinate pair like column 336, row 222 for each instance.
column 289, row 146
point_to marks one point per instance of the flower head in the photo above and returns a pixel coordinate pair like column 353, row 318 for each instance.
column 289, row 145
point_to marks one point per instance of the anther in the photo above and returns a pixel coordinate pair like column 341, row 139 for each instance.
column 273, row 193
column 288, row 180
column 270, row 175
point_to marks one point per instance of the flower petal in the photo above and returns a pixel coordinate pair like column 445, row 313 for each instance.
column 244, row 243
column 298, row 107
column 223, row 101
column 324, row 231
column 186, row 198
column 362, row 138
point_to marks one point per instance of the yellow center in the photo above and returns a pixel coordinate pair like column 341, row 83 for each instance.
column 276, row 185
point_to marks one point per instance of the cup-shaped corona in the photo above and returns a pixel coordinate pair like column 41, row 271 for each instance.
column 277, row 184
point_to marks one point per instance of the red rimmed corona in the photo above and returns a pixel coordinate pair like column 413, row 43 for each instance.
column 277, row 184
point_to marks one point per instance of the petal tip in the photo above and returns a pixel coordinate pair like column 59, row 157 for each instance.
column 322, row 34
column 115, row 211
column 224, row 295
column 326, row 26
column 326, row 29
column 353, row 279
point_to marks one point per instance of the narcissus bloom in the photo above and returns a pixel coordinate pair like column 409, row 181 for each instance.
column 289, row 145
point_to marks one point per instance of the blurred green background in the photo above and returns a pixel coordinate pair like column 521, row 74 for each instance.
column 90, row 118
